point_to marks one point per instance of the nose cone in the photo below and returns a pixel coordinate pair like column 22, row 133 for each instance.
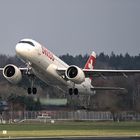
column 23, row 50
column 18, row 49
column 27, row 49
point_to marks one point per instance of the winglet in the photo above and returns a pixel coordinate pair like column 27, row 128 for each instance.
column 91, row 61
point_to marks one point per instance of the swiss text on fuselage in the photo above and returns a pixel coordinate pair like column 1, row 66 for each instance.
column 47, row 53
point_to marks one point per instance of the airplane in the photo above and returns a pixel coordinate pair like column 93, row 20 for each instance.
column 42, row 63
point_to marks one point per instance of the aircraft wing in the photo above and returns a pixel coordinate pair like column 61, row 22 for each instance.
column 22, row 69
column 104, row 72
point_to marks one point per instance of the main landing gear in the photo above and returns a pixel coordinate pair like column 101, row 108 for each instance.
column 32, row 89
column 73, row 91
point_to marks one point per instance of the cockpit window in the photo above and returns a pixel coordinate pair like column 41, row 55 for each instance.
column 28, row 42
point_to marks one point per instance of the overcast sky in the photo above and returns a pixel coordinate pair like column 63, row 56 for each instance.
column 72, row 26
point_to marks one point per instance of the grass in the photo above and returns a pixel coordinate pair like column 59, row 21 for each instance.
column 71, row 129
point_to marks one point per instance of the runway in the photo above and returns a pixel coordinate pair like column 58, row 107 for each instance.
column 76, row 138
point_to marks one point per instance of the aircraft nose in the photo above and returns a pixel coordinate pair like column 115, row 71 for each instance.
column 22, row 50
column 18, row 49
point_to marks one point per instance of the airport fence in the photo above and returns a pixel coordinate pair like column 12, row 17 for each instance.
column 44, row 116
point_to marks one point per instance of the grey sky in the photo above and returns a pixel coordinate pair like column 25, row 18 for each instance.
column 72, row 26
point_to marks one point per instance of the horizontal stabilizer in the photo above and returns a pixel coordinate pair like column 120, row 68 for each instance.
column 107, row 88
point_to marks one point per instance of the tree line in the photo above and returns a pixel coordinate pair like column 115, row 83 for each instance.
column 105, row 61
column 102, row 61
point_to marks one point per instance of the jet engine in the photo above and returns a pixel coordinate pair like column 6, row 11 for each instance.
column 12, row 73
column 75, row 74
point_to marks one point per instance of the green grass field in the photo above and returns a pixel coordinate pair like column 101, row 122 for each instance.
column 71, row 129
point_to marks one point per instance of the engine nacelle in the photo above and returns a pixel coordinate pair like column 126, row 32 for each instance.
column 12, row 73
column 75, row 74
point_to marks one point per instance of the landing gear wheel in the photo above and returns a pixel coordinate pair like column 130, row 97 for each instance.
column 29, row 90
column 75, row 91
column 34, row 90
column 70, row 91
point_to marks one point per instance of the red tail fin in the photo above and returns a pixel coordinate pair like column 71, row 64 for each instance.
column 91, row 61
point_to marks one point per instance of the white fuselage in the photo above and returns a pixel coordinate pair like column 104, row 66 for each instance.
column 44, row 65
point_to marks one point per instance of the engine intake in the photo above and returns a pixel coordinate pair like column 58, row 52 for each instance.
column 12, row 73
column 75, row 74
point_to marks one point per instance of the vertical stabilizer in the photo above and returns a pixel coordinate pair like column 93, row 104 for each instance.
column 91, row 61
